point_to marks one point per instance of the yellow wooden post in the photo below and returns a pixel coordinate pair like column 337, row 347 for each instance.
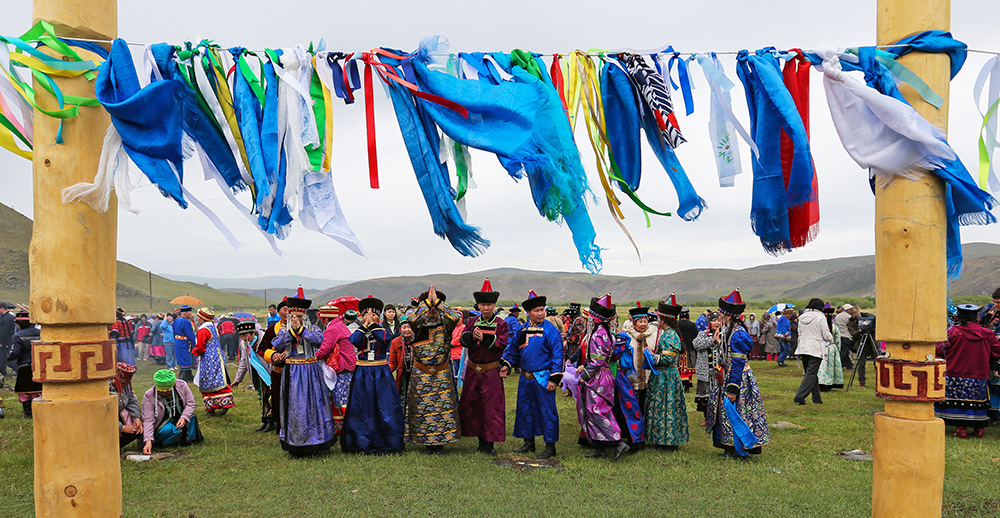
column 73, row 278
column 911, row 284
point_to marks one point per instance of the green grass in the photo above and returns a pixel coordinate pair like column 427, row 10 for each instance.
column 237, row 472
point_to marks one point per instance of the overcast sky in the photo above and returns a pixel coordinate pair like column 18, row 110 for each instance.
column 392, row 222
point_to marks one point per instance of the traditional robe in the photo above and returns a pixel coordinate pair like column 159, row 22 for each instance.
column 374, row 419
column 831, row 370
column 970, row 351
column 628, row 408
column 213, row 380
column 666, row 410
column 431, row 396
column 538, row 351
column 595, row 407
column 341, row 356
column 736, row 378
column 184, row 340
column 304, row 411
column 482, row 406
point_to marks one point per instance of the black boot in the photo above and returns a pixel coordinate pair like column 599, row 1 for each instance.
column 26, row 405
column 486, row 447
column 528, row 447
column 596, row 454
column 262, row 427
column 222, row 412
column 549, row 451
column 621, row 450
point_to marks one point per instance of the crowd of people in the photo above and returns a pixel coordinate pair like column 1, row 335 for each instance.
column 377, row 377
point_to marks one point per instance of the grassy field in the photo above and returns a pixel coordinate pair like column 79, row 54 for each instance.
column 237, row 472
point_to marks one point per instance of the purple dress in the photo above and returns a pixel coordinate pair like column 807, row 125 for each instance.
column 595, row 408
column 305, row 411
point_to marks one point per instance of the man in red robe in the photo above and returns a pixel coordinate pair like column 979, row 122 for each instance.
column 482, row 405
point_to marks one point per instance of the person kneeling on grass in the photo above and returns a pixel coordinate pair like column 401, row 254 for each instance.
column 168, row 413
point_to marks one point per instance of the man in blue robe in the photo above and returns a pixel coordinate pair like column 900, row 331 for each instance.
column 538, row 351
column 514, row 323
column 184, row 340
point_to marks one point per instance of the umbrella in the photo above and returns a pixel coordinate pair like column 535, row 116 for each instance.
column 344, row 303
column 188, row 300
column 781, row 306
column 243, row 314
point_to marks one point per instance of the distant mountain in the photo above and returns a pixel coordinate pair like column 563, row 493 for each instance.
column 270, row 283
column 827, row 278
column 133, row 283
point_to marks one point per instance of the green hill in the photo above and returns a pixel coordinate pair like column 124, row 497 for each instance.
column 839, row 278
column 133, row 283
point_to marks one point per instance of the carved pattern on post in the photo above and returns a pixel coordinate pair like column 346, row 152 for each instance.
column 54, row 362
column 909, row 380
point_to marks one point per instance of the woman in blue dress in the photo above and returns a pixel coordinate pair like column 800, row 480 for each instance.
column 373, row 422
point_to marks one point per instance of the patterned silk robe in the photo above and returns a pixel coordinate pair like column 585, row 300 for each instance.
column 431, row 398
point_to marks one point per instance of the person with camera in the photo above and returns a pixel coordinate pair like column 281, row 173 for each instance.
column 862, row 329
column 970, row 351
column 989, row 316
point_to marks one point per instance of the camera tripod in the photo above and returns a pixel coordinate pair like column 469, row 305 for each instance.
column 866, row 351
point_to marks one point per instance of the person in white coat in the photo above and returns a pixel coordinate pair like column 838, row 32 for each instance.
column 814, row 337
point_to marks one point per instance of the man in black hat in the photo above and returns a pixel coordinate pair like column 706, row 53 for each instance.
column 431, row 406
column 482, row 405
column 249, row 361
column 538, row 351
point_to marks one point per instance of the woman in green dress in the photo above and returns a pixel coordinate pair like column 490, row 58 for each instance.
column 666, row 410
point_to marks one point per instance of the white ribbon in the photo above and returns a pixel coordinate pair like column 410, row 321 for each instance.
column 321, row 212
column 716, row 77
column 208, row 95
column 991, row 71
column 720, row 128
column 112, row 172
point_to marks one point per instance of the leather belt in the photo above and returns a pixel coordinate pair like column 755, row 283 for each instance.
column 372, row 364
column 482, row 367
column 299, row 361
column 431, row 369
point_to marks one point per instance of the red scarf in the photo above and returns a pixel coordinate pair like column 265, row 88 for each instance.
column 803, row 220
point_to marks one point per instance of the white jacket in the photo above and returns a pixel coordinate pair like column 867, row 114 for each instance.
column 814, row 334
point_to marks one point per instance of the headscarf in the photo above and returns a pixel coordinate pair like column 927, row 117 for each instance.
column 164, row 379
column 122, row 382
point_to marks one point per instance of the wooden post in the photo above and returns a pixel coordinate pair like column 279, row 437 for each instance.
column 72, row 261
column 911, row 283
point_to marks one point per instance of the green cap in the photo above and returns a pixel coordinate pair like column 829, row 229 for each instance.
column 164, row 379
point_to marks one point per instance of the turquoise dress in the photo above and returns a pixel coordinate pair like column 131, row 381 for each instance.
column 666, row 410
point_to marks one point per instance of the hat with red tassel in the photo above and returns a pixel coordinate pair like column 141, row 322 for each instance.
column 669, row 307
column 533, row 301
column 486, row 295
column 732, row 304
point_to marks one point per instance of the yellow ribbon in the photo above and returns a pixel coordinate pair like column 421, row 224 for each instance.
column 596, row 131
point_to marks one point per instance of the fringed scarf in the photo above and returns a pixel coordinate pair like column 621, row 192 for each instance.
column 803, row 220
column 420, row 135
column 773, row 109
column 883, row 133
column 523, row 122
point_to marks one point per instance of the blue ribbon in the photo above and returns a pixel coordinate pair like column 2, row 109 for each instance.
column 743, row 437
column 682, row 74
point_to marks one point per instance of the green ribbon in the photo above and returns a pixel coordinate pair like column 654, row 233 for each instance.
column 906, row 75
column 984, row 152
